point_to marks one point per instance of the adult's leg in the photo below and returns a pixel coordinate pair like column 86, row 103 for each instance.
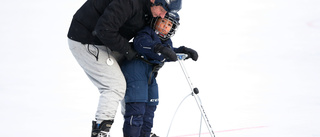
column 105, row 75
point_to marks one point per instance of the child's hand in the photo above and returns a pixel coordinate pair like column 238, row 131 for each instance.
column 167, row 52
column 191, row 53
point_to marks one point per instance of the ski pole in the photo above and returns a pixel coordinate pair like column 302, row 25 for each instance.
column 195, row 92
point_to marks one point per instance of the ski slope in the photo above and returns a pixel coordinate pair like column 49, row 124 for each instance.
column 258, row 71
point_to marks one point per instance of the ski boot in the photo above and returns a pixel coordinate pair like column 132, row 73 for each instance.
column 101, row 130
column 147, row 134
column 153, row 135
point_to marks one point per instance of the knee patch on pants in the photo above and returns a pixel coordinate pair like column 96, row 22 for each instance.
column 134, row 113
column 133, row 118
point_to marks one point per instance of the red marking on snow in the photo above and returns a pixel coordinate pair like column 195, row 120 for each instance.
column 314, row 23
column 228, row 130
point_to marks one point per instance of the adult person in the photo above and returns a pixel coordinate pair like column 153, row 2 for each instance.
column 99, row 37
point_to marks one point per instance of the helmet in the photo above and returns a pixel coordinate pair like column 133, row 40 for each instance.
column 163, row 3
column 167, row 26
column 169, row 5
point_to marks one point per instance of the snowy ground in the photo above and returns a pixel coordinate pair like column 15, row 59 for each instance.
column 258, row 72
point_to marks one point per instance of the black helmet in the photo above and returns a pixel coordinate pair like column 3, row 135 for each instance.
column 166, row 27
column 169, row 5
column 163, row 3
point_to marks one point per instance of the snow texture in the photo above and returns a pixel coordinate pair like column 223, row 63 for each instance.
column 258, row 71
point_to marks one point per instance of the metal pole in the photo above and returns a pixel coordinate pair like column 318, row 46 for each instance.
column 195, row 92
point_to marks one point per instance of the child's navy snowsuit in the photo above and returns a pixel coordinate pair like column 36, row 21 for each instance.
column 142, row 89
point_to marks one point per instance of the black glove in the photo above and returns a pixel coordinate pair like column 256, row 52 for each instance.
column 131, row 53
column 166, row 52
column 191, row 53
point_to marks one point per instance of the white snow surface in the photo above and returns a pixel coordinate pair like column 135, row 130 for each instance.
column 258, row 71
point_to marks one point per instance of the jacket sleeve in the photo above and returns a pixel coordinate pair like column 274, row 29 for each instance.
column 107, row 27
column 145, row 41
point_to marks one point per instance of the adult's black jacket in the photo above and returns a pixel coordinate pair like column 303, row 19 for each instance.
column 109, row 22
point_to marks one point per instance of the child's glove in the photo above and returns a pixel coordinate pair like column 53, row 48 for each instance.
column 191, row 53
column 166, row 52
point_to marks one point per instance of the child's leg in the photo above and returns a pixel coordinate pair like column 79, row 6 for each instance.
column 153, row 100
column 133, row 119
column 148, row 121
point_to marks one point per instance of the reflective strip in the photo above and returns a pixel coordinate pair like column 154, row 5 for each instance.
column 131, row 120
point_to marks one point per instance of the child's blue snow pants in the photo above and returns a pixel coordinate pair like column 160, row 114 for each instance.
column 141, row 98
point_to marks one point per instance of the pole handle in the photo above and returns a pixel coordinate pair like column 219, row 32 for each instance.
column 181, row 56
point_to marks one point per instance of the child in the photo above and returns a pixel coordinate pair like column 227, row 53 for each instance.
column 154, row 47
